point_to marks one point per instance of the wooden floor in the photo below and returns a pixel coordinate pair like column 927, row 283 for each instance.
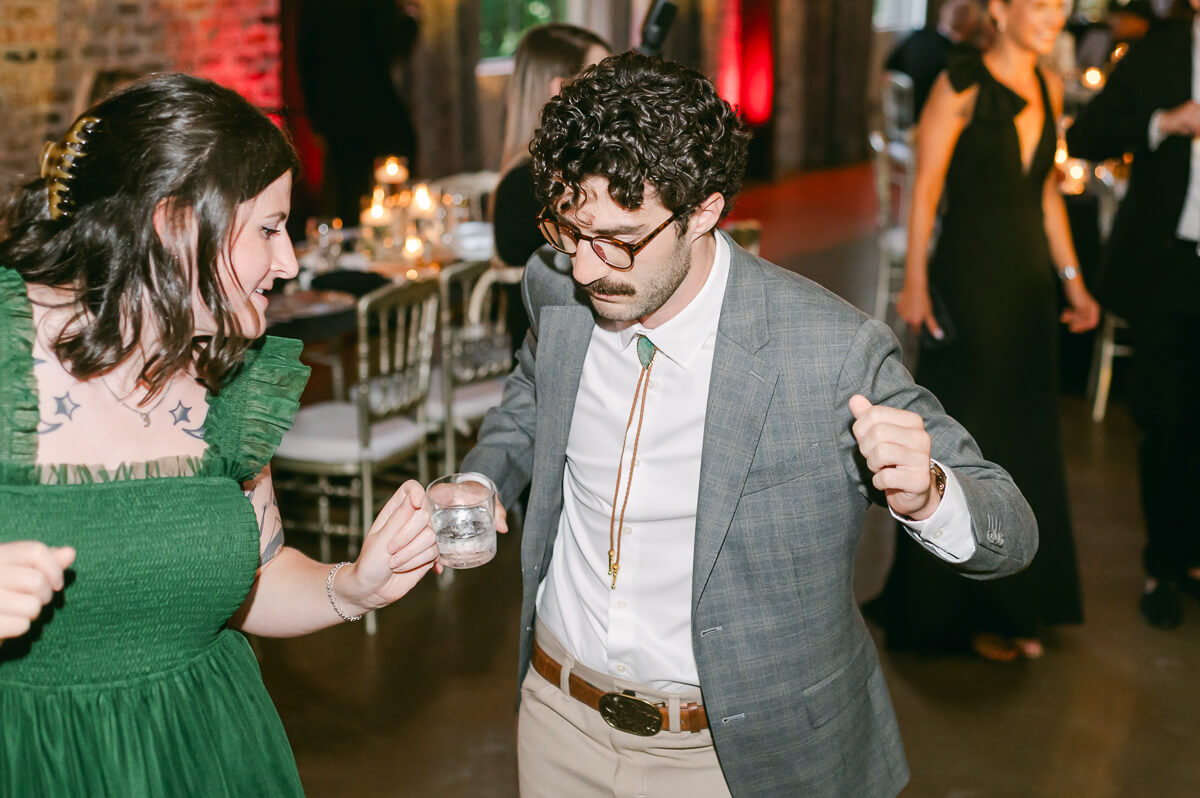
column 427, row 707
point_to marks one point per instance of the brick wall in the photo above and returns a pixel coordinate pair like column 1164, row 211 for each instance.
column 49, row 49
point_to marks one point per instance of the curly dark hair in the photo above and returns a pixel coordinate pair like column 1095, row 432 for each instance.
column 174, row 139
column 635, row 119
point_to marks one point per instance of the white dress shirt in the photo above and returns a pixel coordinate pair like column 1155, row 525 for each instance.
column 640, row 632
column 1189, row 219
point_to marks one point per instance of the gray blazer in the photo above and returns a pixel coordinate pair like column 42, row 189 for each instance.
column 790, row 676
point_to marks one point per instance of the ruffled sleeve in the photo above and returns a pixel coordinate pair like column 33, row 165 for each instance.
column 995, row 101
column 247, row 420
column 18, row 388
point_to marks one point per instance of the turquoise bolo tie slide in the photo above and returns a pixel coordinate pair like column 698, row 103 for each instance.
column 645, row 350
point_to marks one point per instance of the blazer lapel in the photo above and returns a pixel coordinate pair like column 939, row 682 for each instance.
column 739, row 394
column 564, row 333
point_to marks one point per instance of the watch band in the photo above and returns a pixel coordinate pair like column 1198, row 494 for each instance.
column 939, row 478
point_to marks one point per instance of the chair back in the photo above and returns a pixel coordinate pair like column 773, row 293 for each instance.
column 470, row 191
column 475, row 341
column 898, row 104
column 396, row 329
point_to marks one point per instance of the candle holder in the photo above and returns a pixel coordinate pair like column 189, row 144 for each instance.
column 377, row 221
column 392, row 171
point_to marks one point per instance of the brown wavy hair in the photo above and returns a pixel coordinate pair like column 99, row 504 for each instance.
column 635, row 119
column 176, row 139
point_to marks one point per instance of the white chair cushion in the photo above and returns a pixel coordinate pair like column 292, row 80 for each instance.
column 327, row 432
column 894, row 242
column 471, row 401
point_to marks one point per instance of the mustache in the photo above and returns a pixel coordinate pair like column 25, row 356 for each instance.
column 603, row 286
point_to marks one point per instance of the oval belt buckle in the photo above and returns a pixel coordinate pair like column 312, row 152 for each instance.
column 628, row 713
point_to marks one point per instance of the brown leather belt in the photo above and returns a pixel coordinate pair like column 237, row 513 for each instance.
column 623, row 711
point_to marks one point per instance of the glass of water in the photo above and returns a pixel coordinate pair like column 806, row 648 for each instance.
column 463, row 516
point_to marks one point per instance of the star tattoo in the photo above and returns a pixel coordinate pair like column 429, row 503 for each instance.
column 65, row 405
column 180, row 413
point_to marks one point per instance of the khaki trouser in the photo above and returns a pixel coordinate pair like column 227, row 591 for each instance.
column 566, row 750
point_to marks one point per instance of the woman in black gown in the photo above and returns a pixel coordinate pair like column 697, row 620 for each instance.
column 987, row 138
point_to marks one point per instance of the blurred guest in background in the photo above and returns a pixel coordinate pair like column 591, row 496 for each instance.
column 547, row 56
column 140, row 529
column 1126, row 22
column 1149, row 107
column 348, row 53
column 987, row 302
column 922, row 56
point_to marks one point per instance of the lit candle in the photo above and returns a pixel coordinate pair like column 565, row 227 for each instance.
column 413, row 245
column 376, row 215
column 376, row 221
column 422, row 202
column 1075, row 178
column 392, row 171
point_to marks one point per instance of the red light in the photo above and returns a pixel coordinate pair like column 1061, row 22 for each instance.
column 729, row 74
column 758, row 62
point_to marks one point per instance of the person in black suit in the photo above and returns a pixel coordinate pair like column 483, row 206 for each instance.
column 922, row 55
column 1126, row 22
column 1152, row 278
column 347, row 52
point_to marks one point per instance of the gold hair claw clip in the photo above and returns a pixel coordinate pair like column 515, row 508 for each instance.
column 58, row 161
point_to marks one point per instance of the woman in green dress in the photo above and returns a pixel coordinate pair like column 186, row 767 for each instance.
column 139, row 408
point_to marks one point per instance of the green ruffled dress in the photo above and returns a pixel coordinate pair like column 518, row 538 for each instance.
column 130, row 683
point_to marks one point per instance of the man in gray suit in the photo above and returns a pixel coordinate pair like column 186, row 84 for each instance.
column 703, row 432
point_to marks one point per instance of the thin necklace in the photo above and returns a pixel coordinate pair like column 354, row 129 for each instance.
column 145, row 414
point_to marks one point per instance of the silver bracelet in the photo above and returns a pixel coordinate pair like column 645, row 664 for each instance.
column 329, row 592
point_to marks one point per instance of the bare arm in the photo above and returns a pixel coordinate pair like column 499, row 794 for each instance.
column 942, row 121
column 1084, row 313
column 288, row 597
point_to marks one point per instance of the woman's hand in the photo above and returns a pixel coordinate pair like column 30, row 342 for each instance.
column 916, row 309
column 399, row 550
column 30, row 574
column 1084, row 312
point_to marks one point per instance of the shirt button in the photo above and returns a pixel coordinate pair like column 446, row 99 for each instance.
column 627, row 530
column 937, row 533
column 620, row 669
column 652, row 384
column 637, row 463
column 622, row 605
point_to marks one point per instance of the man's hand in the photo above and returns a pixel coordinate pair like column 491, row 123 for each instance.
column 1182, row 120
column 896, row 447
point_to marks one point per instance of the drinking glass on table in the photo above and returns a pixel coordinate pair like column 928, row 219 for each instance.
column 463, row 517
column 324, row 234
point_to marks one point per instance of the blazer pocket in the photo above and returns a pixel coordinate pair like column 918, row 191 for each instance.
column 825, row 699
column 808, row 462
